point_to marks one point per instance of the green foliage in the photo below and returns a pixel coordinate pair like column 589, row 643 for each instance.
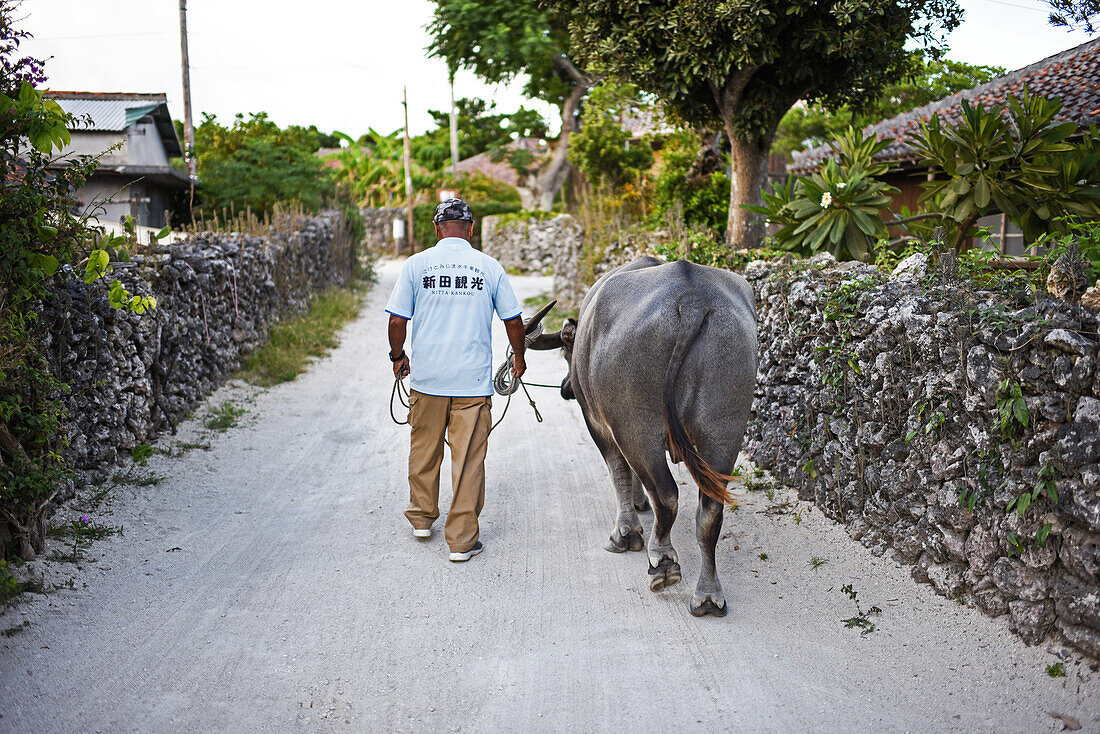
column 371, row 169
column 1012, row 413
column 1056, row 670
column 700, row 200
column 39, row 233
column 223, row 417
column 1015, row 160
column 862, row 619
column 1084, row 235
column 254, row 163
column 423, row 214
column 480, row 130
column 838, row 207
column 1074, row 14
column 142, row 453
column 925, row 79
column 1045, row 488
column 602, row 150
column 501, row 39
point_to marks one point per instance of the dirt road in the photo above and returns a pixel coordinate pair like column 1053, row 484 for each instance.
column 271, row 584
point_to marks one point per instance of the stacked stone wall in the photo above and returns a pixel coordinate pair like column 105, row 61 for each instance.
column 549, row 246
column 378, row 225
column 883, row 401
column 130, row 376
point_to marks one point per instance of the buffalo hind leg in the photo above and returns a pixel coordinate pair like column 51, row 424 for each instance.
column 708, row 598
column 641, row 504
column 627, row 534
column 664, row 568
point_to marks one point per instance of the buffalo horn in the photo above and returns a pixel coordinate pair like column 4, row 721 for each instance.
column 533, row 323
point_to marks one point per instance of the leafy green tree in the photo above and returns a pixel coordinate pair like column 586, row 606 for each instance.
column 702, row 199
column 371, row 169
column 255, row 163
column 1017, row 161
column 740, row 66
column 500, row 39
column 926, row 80
column 480, row 129
column 602, row 149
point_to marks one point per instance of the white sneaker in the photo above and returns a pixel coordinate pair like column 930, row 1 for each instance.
column 467, row 555
column 422, row 532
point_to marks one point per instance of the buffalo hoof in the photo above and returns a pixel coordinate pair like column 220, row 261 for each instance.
column 621, row 542
column 665, row 574
column 709, row 604
column 641, row 505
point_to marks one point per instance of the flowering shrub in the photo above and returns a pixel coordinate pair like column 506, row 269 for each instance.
column 838, row 208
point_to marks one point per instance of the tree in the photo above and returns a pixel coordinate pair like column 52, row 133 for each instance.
column 1018, row 161
column 1075, row 14
column 741, row 66
column 602, row 149
column 927, row 80
column 255, row 163
column 480, row 129
column 499, row 39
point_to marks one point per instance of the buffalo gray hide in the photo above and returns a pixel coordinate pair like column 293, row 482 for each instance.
column 663, row 358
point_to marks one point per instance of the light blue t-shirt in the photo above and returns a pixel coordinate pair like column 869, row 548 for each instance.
column 450, row 292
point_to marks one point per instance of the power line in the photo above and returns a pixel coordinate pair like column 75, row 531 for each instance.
column 1017, row 5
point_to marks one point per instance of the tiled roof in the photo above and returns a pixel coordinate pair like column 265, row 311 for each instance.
column 502, row 171
column 1072, row 76
column 116, row 111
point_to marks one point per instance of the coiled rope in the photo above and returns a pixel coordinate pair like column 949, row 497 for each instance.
column 503, row 384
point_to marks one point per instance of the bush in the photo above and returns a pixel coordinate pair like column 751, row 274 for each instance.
column 704, row 198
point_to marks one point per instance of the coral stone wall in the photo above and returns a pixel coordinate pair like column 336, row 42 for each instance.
column 551, row 245
column 884, row 401
column 132, row 376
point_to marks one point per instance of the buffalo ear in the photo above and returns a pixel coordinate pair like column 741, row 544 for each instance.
column 569, row 333
column 545, row 342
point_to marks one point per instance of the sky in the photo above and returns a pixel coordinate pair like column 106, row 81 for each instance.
column 341, row 65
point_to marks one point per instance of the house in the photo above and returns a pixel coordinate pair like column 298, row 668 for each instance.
column 1072, row 76
column 137, row 140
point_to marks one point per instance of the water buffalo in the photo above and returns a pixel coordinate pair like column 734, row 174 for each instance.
column 663, row 358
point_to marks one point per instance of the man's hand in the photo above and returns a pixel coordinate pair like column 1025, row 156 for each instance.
column 514, row 327
column 519, row 366
column 401, row 367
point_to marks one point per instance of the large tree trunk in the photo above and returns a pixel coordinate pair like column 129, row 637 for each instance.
column 553, row 173
column 745, row 229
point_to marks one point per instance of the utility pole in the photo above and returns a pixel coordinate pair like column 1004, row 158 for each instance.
column 188, row 127
column 454, row 132
column 408, row 173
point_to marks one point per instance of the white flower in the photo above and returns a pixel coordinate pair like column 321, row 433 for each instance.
column 826, row 200
column 841, row 185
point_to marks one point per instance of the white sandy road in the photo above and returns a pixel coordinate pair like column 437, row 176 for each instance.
column 297, row 600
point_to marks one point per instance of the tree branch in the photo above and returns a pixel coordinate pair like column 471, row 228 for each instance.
column 571, row 69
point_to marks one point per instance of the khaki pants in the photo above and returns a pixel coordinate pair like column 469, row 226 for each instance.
column 466, row 422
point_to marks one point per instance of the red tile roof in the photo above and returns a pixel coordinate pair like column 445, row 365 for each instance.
column 502, row 170
column 1072, row 76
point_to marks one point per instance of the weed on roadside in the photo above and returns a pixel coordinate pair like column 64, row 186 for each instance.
column 13, row 631
column 12, row 588
column 133, row 478
column 141, row 454
column 1056, row 670
column 861, row 619
column 816, row 563
column 223, row 417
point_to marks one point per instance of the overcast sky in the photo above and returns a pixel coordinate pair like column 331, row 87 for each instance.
column 341, row 65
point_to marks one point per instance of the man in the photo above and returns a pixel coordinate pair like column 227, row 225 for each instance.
column 450, row 293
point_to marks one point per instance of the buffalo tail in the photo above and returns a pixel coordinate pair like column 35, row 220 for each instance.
column 681, row 447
